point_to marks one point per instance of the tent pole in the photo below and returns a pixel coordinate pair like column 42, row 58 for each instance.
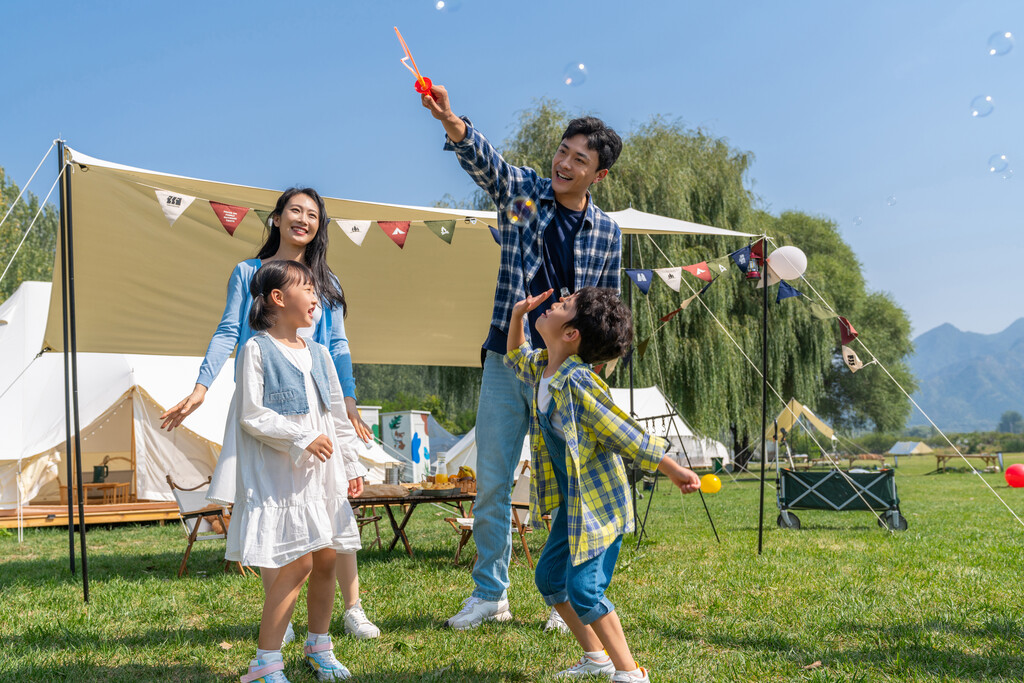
column 70, row 265
column 764, row 387
column 67, row 367
column 632, row 411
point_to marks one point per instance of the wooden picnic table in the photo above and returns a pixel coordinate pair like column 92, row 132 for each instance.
column 410, row 503
column 990, row 460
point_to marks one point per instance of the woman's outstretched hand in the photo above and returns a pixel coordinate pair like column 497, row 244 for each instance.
column 362, row 430
column 176, row 415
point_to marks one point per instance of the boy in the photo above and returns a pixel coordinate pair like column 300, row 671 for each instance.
column 576, row 436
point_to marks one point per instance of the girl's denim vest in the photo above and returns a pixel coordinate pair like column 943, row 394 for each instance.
column 284, row 389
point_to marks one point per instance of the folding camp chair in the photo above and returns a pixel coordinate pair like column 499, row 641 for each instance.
column 368, row 515
column 521, row 510
column 192, row 508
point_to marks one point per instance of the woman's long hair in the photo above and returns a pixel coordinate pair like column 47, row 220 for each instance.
column 315, row 256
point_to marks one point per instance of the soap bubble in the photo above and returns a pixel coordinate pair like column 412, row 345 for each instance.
column 1008, row 174
column 575, row 74
column 858, row 221
column 891, row 200
column 521, row 211
column 1000, row 43
column 982, row 106
column 997, row 163
column 448, row 5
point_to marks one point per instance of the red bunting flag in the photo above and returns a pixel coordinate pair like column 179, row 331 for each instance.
column 668, row 316
column 846, row 332
column 396, row 230
column 757, row 250
column 701, row 270
column 230, row 216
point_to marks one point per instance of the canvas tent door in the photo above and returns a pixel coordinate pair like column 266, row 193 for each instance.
column 128, row 439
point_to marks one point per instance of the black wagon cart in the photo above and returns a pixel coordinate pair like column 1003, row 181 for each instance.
column 839, row 491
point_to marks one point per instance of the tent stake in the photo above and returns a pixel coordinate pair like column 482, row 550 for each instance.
column 67, row 367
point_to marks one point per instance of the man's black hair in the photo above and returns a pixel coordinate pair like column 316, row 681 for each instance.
column 604, row 323
column 600, row 138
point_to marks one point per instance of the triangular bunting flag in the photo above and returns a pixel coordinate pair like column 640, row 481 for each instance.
column 356, row 230
column 701, row 270
column 819, row 311
column 610, row 367
column 741, row 258
column 671, row 276
column 396, row 230
column 668, row 316
column 688, row 301
column 772, row 278
column 757, row 250
column 846, row 332
column 173, row 204
column 719, row 266
column 230, row 216
column 641, row 348
column 599, row 368
column 785, row 291
column 851, row 360
column 641, row 278
column 705, row 288
column 264, row 216
column 494, row 233
column 443, row 229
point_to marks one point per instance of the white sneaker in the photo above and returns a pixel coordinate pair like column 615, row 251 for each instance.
column 556, row 623
column 289, row 635
column 476, row 611
column 588, row 667
column 357, row 624
column 629, row 677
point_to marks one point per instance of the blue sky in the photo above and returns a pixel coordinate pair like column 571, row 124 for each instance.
column 843, row 105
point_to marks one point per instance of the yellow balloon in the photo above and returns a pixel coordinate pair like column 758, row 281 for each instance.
column 710, row 483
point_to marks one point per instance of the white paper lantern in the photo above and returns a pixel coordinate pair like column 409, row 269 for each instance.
column 789, row 263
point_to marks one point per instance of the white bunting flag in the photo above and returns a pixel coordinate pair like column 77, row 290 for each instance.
column 851, row 360
column 671, row 276
column 773, row 279
column 356, row 230
column 173, row 204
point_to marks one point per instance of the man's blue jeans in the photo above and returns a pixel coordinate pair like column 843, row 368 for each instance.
column 502, row 421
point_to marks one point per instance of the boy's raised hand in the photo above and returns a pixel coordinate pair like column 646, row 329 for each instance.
column 531, row 302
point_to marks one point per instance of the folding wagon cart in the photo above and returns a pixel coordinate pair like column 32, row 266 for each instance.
column 839, row 491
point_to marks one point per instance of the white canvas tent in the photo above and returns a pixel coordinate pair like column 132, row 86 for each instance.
column 145, row 286
column 464, row 452
column 656, row 415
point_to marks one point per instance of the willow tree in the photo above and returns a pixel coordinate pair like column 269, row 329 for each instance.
column 35, row 259
column 700, row 362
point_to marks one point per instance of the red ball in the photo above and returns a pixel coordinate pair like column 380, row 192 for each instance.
column 1015, row 476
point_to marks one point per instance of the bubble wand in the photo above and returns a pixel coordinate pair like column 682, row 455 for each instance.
column 423, row 84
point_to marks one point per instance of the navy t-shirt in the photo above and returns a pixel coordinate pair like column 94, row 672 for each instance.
column 558, row 272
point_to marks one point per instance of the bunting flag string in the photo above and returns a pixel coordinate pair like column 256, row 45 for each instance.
column 356, row 230
column 443, row 229
column 641, row 278
column 230, row 216
column 173, row 204
column 396, row 230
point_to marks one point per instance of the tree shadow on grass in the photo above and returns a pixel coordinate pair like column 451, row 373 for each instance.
column 84, row 672
column 904, row 650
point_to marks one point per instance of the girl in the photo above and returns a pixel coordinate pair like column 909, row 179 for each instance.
column 298, row 232
column 296, row 458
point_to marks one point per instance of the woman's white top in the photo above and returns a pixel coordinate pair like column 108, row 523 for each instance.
column 287, row 503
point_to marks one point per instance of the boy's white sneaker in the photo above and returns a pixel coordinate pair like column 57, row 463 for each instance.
column 476, row 611
column 357, row 624
column 556, row 623
column 588, row 666
column 630, row 677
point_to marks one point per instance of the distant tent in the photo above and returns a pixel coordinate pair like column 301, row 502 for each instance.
column 441, row 439
column 909, row 448
column 463, row 453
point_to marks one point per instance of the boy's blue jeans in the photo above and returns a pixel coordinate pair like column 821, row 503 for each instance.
column 557, row 579
column 502, row 421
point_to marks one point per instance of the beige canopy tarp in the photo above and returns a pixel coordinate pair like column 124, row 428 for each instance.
column 791, row 414
column 143, row 285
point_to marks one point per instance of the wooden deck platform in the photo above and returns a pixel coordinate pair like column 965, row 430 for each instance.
column 57, row 515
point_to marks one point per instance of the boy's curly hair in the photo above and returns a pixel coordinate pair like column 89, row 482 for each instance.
column 604, row 323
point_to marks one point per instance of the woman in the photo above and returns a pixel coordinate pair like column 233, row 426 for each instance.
column 298, row 232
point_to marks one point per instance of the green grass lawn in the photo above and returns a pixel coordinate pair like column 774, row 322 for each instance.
column 943, row 601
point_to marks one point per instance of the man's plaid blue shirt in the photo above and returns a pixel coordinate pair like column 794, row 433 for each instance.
column 597, row 434
column 597, row 249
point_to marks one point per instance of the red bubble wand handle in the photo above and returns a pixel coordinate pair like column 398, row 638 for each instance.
column 423, row 84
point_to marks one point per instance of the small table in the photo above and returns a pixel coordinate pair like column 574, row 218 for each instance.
column 990, row 460
column 110, row 492
column 411, row 502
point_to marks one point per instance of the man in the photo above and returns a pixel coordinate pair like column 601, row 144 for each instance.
column 552, row 237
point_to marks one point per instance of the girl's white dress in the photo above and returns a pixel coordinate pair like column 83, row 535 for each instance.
column 287, row 502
